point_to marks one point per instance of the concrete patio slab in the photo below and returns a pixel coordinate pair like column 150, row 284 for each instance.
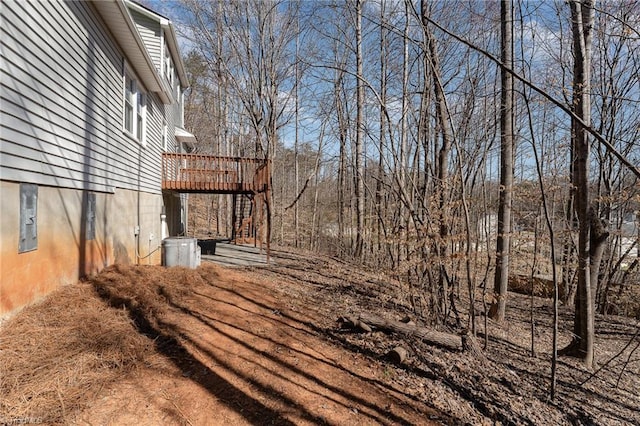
column 227, row 254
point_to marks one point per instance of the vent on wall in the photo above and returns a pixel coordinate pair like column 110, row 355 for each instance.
column 28, row 217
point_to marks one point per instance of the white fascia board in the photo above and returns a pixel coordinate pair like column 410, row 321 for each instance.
column 117, row 18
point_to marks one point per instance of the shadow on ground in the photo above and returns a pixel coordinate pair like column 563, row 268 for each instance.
column 259, row 362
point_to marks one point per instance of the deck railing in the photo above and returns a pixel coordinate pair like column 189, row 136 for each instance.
column 209, row 173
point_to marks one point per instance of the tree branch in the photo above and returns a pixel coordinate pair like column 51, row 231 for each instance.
column 550, row 98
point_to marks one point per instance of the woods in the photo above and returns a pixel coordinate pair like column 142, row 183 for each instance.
column 451, row 154
column 292, row 212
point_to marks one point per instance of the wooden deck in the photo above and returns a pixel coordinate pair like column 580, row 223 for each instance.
column 214, row 174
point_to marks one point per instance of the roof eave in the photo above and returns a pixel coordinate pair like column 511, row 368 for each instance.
column 116, row 15
column 172, row 39
column 185, row 137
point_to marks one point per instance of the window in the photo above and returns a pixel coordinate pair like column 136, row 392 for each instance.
column 168, row 68
column 135, row 108
column 130, row 90
column 165, row 137
column 140, row 110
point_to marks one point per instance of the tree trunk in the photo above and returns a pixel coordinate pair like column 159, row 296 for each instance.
column 583, row 329
column 296, row 165
column 443, row 124
column 503, row 242
column 359, row 151
column 380, row 225
column 343, row 123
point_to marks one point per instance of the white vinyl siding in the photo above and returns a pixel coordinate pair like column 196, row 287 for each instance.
column 154, row 139
column 150, row 32
column 171, row 128
column 62, row 103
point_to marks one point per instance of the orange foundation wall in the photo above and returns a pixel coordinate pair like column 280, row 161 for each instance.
column 63, row 256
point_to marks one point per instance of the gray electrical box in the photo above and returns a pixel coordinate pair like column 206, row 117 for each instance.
column 28, row 218
column 90, row 216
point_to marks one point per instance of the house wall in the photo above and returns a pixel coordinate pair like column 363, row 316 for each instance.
column 63, row 254
column 150, row 31
column 171, row 129
column 62, row 103
column 177, row 111
column 61, row 127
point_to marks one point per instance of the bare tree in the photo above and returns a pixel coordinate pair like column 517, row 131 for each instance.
column 443, row 121
column 582, row 17
column 257, row 37
column 359, row 148
column 503, row 243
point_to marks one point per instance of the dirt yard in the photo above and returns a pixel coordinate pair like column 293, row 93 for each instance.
column 220, row 346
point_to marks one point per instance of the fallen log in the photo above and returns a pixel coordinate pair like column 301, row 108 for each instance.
column 398, row 355
column 354, row 323
column 407, row 320
column 439, row 338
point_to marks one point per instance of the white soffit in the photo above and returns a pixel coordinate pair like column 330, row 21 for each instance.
column 185, row 137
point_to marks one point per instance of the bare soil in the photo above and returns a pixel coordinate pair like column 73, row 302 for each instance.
column 215, row 346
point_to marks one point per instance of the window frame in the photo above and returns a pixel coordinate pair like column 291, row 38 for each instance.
column 134, row 107
column 165, row 135
column 168, row 65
